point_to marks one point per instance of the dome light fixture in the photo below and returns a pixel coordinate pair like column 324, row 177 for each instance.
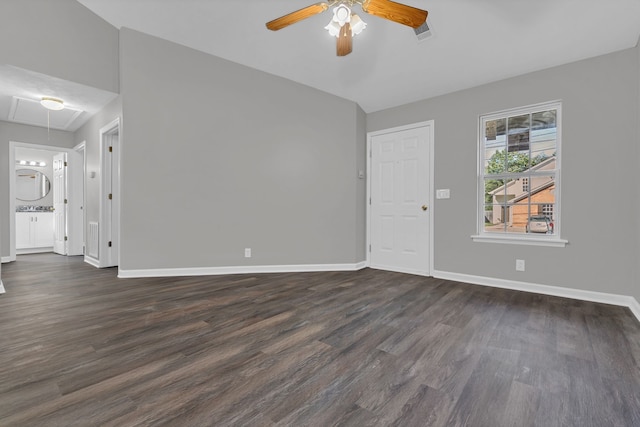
column 52, row 103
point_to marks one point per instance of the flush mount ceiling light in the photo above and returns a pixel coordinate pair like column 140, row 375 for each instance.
column 52, row 103
column 345, row 24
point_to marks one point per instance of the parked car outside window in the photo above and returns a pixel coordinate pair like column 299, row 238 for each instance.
column 540, row 224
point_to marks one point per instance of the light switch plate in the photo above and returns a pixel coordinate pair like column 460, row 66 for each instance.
column 443, row 194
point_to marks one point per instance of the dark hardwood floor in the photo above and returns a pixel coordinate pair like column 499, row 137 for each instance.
column 79, row 347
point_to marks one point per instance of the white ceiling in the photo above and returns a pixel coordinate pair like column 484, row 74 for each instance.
column 473, row 41
column 21, row 91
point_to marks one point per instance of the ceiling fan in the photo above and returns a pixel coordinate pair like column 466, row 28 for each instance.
column 345, row 24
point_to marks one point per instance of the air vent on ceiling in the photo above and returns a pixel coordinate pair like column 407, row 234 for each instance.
column 423, row 32
column 30, row 112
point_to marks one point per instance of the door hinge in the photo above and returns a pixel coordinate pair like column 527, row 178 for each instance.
column 66, row 201
column 66, row 164
column 109, row 244
column 111, row 149
column 66, row 238
column 369, row 248
column 110, row 196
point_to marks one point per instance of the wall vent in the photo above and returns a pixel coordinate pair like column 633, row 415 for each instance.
column 93, row 240
column 423, row 32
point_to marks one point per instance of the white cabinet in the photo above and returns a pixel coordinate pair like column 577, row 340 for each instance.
column 34, row 230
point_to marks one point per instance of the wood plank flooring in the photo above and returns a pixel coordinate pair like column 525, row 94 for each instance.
column 79, row 347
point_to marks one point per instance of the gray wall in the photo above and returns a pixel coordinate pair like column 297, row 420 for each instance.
column 60, row 38
column 28, row 134
column 636, row 292
column 90, row 133
column 218, row 157
column 599, row 174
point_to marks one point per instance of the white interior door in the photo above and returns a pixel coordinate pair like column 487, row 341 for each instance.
column 110, row 198
column 75, row 201
column 59, row 203
column 400, row 195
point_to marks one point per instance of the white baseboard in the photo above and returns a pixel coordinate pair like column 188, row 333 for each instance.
column 34, row 251
column 6, row 259
column 634, row 306
column 92, row 261
column 399, row 270
column 601, row 297
column 360, row 265
column 249, row 269
column 2, row 291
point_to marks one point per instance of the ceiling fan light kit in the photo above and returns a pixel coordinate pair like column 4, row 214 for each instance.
column 344, row 24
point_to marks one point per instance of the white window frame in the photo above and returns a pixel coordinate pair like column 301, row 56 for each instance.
column 517, row 238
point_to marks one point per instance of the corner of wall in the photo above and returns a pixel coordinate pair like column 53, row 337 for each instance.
column 637, row 272
column 361, row 187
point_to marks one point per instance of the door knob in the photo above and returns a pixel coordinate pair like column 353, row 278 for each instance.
column 425, row 207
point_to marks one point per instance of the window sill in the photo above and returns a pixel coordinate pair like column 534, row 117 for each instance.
column 519, row 240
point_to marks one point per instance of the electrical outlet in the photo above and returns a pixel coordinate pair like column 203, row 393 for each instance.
column 247, row 252
column 519, row 265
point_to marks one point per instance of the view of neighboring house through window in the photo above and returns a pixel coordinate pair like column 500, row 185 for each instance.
column 519, row 173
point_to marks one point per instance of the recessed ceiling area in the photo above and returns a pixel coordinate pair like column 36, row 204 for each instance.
column 21, row 91
column 473, row 42
column 31, row 112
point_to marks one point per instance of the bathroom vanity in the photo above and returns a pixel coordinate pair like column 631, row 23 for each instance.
column 34, row 222
column 34, row 232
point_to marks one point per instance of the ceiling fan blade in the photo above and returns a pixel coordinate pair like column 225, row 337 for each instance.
column 298, row 15
column 396, row 12
column 344, row 45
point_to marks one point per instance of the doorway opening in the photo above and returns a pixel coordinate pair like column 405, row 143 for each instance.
column 103, row 237
column 38, row 228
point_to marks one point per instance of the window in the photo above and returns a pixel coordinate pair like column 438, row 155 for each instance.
column 519, row 175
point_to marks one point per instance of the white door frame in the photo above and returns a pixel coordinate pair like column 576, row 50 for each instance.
column 370, row 136
column 109, row 225
column 60, row 207
column 77, row 222
column 12, row 187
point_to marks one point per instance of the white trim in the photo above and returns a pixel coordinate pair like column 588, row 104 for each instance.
column 431, row 125
column 249, row 269
column 400, row 270
column 109, row 222
column 92, row 261
column 76, row 219
column 361, row 265
column 2, row 291
column 483, row 236
column 6, row 259
column 557, row 291
column 634, row 306
column 34, row 250
column 520, row 240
